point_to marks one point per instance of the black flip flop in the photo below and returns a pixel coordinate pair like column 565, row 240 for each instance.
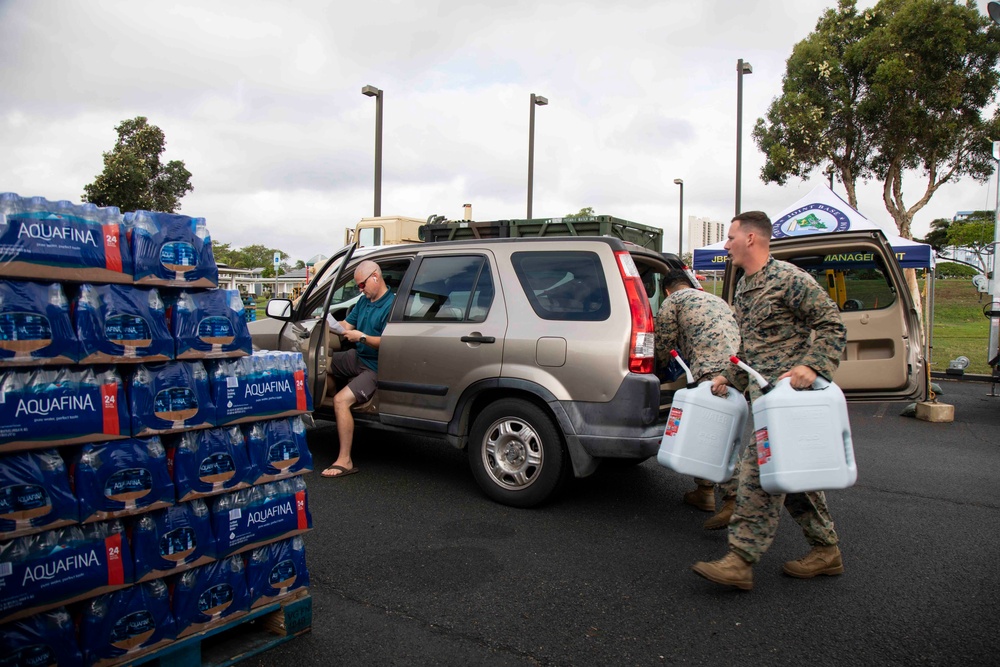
column 344, row 472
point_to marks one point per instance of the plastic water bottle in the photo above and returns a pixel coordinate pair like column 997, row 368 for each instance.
column 10, row 205
column 704, row 431
column 803, row 437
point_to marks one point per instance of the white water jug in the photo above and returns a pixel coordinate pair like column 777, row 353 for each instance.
column 704, row 431
column 803, row 438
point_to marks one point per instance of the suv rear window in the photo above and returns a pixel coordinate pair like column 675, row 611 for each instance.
column 450, row 289
column 564, row 285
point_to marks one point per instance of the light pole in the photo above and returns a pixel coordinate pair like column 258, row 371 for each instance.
column 994, row 10
column 536, row 100
column 741, row 69
column 372, row 91
column 680, row 221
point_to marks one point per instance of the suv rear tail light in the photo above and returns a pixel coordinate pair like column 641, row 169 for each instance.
column 640, row 357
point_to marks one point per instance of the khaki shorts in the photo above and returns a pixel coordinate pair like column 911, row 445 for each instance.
column 361, row 379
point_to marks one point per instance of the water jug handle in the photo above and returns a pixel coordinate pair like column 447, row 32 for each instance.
column 820, row 382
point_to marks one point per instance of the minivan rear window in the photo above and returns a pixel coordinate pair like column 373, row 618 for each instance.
column 855, row 279
column 566, row 285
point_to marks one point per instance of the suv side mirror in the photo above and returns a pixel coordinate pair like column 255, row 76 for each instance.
column 279, row 309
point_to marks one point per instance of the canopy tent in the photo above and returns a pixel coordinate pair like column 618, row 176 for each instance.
column 821, row 211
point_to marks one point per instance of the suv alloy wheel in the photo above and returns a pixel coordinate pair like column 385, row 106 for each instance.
column 516, row 453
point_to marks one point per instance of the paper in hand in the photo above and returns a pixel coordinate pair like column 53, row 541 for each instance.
column 334, row 325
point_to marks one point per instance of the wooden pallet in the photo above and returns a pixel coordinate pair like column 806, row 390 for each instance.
column 252, row 633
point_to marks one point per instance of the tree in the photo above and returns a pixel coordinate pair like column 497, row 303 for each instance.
column 901, row 87
column 253, row 257
column 974, row 233
column 133, row 176
column 954, row 270
column 587, row 212
column 937, row 237
column 223, row 253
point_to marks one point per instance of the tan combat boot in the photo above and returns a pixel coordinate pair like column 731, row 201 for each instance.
column 703, row 498
column 730, row 570
column 721, row 520
column 821, row 560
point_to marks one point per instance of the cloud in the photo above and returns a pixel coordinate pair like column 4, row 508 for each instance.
column 262, row 101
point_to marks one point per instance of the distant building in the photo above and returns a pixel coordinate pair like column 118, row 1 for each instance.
column 251, row 281
column 702, row 232
column 245, row 280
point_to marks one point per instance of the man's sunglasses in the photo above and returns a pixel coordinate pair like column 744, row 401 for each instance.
column 361, row 285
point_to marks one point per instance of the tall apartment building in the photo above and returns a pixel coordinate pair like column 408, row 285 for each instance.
column 702, row 232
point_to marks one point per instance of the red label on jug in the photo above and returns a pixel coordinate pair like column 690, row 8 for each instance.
column 763, row 446
column 673, row 422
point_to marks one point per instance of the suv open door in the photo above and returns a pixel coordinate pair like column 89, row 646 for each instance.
column 884, row 358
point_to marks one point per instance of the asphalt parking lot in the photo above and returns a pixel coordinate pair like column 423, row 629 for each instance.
column 411, row 565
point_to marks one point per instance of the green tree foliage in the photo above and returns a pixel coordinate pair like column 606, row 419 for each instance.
column 224, row 253
column 587, row 212
column 954, row 270
column 253, row 257
column 974, row 233
column 133, row 176
column 937, row 237
column 901, row 87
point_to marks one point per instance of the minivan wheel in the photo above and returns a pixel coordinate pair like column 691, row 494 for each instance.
column 516, row 453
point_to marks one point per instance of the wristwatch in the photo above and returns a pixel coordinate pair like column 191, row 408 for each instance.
column 363, row 338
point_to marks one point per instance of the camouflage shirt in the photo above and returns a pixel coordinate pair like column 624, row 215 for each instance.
column 786, row 319
column 700, row 326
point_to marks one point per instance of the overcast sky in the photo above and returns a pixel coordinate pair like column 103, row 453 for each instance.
column 262, row 101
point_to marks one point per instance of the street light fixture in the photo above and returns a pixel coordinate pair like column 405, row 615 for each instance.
column 372, row 91
column 680, row 221
column 741, row 69
column 536, row 100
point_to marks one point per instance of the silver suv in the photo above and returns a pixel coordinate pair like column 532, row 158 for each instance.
column 534, row 354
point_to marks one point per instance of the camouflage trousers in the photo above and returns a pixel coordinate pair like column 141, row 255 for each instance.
column 755, row 521
column 726, row 489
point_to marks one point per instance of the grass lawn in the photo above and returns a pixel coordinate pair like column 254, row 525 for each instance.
column 960, row 328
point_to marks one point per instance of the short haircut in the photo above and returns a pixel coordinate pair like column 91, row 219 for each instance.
column 676, row 277
column 757, row 221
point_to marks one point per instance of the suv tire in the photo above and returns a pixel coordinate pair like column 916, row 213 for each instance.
column 516, row 453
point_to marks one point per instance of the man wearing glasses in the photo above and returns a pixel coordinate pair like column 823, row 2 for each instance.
column 359, row 365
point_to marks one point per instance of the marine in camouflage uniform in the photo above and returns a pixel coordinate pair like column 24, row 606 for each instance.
column 700, row 326
column 789, row 327
column 786, row 319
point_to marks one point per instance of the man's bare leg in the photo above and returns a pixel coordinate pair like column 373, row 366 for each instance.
column 342, row 403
